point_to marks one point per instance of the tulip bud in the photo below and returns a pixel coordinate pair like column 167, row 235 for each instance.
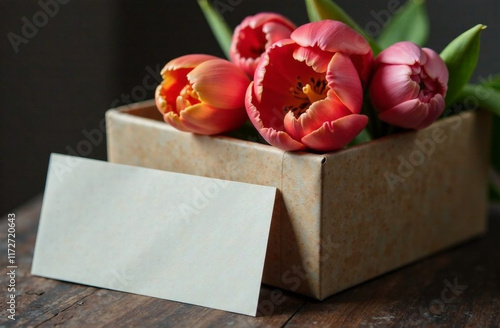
column 254, row 35
column 202, row 94
column 409, row 85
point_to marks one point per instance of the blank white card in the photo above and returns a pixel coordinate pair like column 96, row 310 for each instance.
column 173, row 236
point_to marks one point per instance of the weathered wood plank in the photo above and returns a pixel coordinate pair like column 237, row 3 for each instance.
column 117, row 309
column 417, row 295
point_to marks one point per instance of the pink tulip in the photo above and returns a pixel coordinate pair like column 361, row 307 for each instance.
column 409, row 85
column 254, row 35
column 202, row 94
column 307, row 90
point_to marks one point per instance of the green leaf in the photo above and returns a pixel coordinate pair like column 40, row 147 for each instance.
column 222, row 32
column 492, row 81
column 486, row 97
column 409, row 24
column 362, row 137
column 327, row 9
column 461, row 57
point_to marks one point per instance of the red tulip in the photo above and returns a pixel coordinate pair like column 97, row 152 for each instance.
column 409, row 85
column 307, row 90
column 254, row 35
column 202, row 94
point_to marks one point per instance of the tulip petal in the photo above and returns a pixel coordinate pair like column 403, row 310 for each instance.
column 313, row 57
column 294, row 126
column 364, row 66
column 174, row 120
column 219, row 83
column 331, row 36
column 277, row 75
column 402, row 53
column 281, row 140
column 337, row 134
column 263, row 118
column 436, row 68
column 264, row 17
column 343, row 79
column 187, row 61
column 276, row 31
column 160, row 101
column 326, row 110
column 248, row 65
column 205, row 119
column 409, row 114
column 435, row 109
column 269, row 125
column 392, row 85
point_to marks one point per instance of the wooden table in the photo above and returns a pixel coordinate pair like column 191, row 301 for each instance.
column 458, row 287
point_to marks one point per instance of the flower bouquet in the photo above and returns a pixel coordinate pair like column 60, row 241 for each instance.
column 364, row 138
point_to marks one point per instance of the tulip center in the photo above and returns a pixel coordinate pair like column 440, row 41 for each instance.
column 428, row 87
column 311, row 94
column 187, row 97
column 251, row 43
column 305, row 94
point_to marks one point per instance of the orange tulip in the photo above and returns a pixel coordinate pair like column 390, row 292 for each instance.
column 202, row 94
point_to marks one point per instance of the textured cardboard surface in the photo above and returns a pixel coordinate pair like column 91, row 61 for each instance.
column 342, row 218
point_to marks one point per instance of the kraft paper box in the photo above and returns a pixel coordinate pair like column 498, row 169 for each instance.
column 345, row 217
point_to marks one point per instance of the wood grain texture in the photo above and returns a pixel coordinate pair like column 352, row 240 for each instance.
column 459, row 287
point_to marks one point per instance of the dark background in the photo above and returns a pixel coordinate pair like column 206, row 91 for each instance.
column 93, row 55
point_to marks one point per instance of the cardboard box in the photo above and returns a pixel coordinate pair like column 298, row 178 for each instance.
column 341, row 218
